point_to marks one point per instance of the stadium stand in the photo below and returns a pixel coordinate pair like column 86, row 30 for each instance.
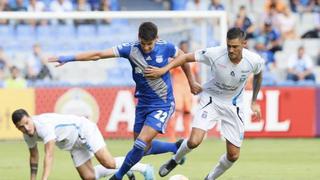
column 18, row 37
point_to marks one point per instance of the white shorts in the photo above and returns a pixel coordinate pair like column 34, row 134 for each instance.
column 88, row 143
column 210, row 111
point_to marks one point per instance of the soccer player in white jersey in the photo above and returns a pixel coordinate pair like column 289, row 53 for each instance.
column 75, row 134
column 221, row 98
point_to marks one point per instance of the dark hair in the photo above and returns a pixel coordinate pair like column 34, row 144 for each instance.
column 183, row 42
column 148, row 31
column 236, row 33
column 18, row 114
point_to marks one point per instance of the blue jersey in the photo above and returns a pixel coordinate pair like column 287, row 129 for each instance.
column 153, row 93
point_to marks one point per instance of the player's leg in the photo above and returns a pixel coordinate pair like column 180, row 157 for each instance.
column 225, row 161
column 232, row 129
column 204, row 119
column 157, row 119
column 187, row 145
column 81, row 157
column 92, row 144
column 86, row 171
column 137, row 152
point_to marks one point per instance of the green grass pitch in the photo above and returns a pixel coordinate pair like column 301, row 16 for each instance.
column 260, row 159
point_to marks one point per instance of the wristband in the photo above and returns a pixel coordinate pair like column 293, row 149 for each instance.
column 65, row 59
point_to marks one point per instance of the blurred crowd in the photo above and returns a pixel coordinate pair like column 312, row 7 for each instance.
column 267, row 31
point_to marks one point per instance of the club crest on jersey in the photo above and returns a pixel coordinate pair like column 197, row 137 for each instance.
column 204, row 114
column 232, row 73
column 243, row 78
column 159, row 59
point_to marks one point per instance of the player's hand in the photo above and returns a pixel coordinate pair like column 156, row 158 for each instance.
column 195, row 88
column 255, row 107
column 152, row 72
column 55, row 59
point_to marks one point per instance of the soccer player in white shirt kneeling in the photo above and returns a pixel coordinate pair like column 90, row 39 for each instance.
column 75, row 134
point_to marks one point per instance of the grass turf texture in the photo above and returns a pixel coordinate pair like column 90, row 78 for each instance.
column 260, row 159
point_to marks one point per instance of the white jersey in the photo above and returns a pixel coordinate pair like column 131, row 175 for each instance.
column 228, row 81
column 63, row 129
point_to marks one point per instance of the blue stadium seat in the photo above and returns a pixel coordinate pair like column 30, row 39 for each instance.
column 7, row 32
column 25, row 32
column 87, row 31
column 44, row 33
column 64, row 31
column 105, row 30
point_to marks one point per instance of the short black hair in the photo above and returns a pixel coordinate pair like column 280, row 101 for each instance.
column 18, row 114
column 236, row 33
column 148, row 31
column 183, row 42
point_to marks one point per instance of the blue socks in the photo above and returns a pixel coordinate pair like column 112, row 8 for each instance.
column 159, row 147
column 132, row 158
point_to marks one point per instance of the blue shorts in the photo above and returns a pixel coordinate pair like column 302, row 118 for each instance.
column 155, row 117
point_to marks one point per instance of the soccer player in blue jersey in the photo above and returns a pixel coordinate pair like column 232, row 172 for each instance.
column 155, row 96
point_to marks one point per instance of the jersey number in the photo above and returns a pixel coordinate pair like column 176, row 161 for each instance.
column 161, row 115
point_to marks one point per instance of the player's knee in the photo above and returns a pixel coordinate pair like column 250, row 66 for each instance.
column 193, row 143
column 233, row 156
column 89, row 176
column 108, row 163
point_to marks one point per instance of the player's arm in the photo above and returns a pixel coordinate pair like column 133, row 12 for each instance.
column 154, row 72
column 194, row 86
column 85, row 56
column 48, row 159
column 34, row 159
column 256, row 84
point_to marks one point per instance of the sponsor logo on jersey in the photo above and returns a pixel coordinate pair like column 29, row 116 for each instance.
column 232, row 73
column 159, row 59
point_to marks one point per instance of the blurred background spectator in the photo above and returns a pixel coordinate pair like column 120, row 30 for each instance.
column 300, row 67
column 36, row 65
column 216, row 5
column 15, row 80
column 3, row 64
column 275, row 28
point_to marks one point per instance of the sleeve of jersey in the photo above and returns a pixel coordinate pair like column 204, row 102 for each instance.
column 47, row 134
column 202, row 56
column 172, row 50
column 122, row 50
column 258, row 66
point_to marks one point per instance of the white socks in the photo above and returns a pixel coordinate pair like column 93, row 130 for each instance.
column 182, row 151
column 100, row 171
column 220, row 168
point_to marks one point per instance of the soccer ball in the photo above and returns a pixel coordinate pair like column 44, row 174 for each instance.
column 178, row 177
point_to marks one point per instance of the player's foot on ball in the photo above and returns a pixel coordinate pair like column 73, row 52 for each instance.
column 166, row 168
